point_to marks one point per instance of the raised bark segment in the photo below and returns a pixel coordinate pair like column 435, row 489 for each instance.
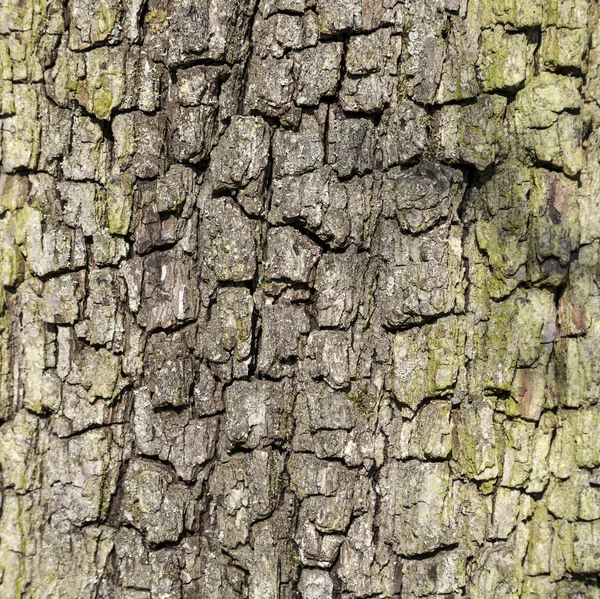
column 300, row 299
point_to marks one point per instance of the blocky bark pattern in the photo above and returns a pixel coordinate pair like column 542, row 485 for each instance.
column 300, row 299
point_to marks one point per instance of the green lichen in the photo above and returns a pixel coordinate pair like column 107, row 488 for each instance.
column 563, row 48
column 503, row 59
column 474, row 443
column 363, row 399
column 119, row 203
column 11, row 265
column 105, row 20
column 518, row 14
column 103, row 102
column 157, row 20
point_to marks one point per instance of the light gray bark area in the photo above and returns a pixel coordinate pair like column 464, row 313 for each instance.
column 300, row 299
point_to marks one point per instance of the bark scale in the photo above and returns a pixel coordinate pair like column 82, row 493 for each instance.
column 299, row 299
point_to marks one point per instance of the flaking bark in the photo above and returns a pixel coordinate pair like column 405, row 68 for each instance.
column 300, row 299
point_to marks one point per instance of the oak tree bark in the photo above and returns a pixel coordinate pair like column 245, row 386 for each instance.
column 300, row 299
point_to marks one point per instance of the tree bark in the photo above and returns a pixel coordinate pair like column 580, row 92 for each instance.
column 299, row 299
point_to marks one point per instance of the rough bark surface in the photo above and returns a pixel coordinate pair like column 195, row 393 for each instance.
column 300, row 299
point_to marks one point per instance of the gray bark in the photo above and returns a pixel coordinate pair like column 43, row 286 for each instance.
column 299, row 299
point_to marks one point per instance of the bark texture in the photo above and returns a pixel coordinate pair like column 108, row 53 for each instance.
column 300, row 299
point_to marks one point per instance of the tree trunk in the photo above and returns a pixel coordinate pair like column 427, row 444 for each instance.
column 300, row 300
